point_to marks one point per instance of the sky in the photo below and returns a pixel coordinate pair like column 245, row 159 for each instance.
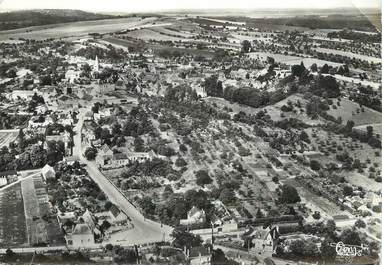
column 163, row 5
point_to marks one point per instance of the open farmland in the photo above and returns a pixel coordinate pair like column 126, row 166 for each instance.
column 12, row 220
column 292, row 59
column 154, row 34
column 350, row 55
column 76, row 29
column 158, row 47
column 349, row 110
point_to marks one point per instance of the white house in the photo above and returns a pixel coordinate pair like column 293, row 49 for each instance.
column 194, row 216
column 48, row 172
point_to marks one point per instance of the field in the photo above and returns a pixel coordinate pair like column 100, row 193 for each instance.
column 154, row 34
column 158, row 47
column 292, row 60
column 377, row 128
column 363, row 181
column 12, row 220
column 76, row 29
column 348, row 110
column 350, row 55
column 36, row 207
column 7, row 137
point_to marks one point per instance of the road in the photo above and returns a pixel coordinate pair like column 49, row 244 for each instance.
column 144, row 231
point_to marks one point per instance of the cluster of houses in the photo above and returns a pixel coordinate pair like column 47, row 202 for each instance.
column 87, row 229
column 84, row 229
column 107, row 159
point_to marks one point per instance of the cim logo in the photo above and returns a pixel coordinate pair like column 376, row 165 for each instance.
column 345, row 250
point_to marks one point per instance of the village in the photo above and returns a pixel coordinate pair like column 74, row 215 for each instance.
column 185, row 141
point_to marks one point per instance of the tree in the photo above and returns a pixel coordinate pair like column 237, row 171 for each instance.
column 315, row 165
column 351, row 237
column 259, row 214
column 289, row 194
column 313, row 67
column 317, row 215
column 298, row 69
column 202, row 177
column 183, row 238
column 325, row 69
column 90, row 153
column 227, row 196
column 246, row 46
column 109, row 247
column 360, row 224
column 180, row 162
column 330, row 227
column 369, row 130
column 327, row 250
column 347, row 190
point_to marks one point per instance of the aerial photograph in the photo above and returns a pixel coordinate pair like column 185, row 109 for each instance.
column 190, row 132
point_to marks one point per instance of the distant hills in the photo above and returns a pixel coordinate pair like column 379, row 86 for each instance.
column 40, row 17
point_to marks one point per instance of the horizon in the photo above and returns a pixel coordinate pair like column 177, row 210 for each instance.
column 120, row 6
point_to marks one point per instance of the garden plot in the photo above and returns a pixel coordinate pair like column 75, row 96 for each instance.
column 12, row 220
column 35, row 226
column 42, row 226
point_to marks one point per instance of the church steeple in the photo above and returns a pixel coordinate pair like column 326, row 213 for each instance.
column 96, row 64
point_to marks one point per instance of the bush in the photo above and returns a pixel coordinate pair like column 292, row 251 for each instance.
column 202, row 177
column 90, row 153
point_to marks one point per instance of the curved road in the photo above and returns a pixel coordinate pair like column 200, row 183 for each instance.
column 144, row 231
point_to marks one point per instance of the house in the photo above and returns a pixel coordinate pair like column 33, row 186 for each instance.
column 82, row 236
column 198, row 255
column 47, row 172
column 3, row 181
column 71, row 75
column 114, row 216
column 21, row 95
column 222, row 219
column 88, row 116
column 5, row 175
column 194, row 216
column 104, row 156
column 120, row 160
column 64, row 217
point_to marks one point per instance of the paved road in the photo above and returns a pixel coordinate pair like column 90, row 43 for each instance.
column 145, row 231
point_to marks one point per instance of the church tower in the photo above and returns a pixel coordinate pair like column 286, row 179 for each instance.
column 96, row 65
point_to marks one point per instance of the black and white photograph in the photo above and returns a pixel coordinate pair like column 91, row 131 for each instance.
column 190, row 132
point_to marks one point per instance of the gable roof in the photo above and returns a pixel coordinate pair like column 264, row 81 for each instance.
column 82, row 229
column 88, row 219
column 46, row 169
column 105, row 148
column 120, row 156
